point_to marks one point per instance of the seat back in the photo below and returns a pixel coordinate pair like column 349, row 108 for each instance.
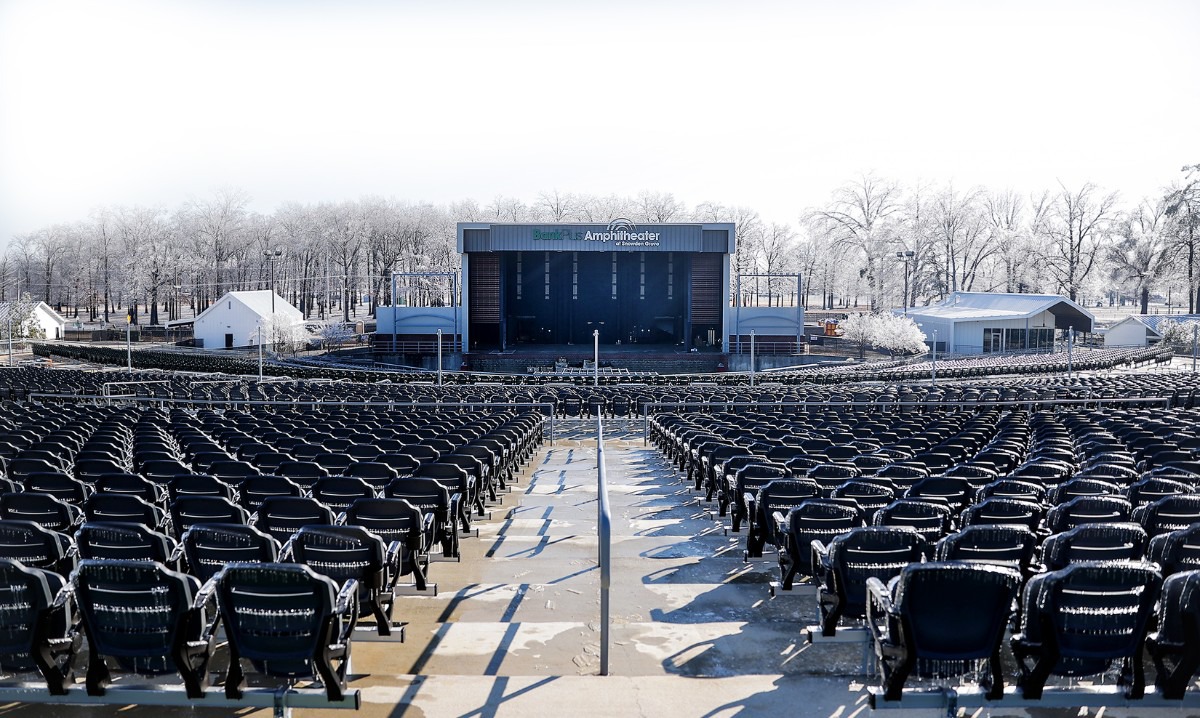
column 123, row 541
column 187, row 511
column 955, row 611
column 998, row 510
column 868, row 552
column 1092, row 612
column 1094, row 542
column 26, row 595
column 278, row 616
column 135, row 612
column 282, row 516
column 338, row 492
column 208, row 547
column 1002, row 544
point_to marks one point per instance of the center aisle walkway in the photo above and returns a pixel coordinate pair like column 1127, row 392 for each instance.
column 515, row 628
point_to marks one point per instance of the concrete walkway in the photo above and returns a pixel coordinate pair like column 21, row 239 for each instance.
column 514, row 630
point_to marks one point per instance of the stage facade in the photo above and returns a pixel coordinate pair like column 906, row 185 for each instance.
column 554, row 284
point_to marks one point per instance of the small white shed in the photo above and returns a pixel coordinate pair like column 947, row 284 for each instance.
column 1131, row 332
column 41, row 318
column 234, row 319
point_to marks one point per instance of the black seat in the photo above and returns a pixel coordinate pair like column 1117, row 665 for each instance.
column 1094, row 542
column 352, row 552
column 930, row 518
column 288, row 622
column 187, row 511
column 255, row 489
column 125, row 542
column 1175, row 645
column 850, row 559
column 145, row 617
column 1170, row 513
column 44, row 509
column 748, row 481
column 208, row 547
column 123, row 508
column 812, row 520
column 282, row 516
column 36, row 546
column 397, row 520
column 997, row 510
column 948, row 614
column 1088, row 509
column 1006, row 545
column 1078, row 620
column 338, row 492
column 775, row 498
column 36, row 632
column 431, row 497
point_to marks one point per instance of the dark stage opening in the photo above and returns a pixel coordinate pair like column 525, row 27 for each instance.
column 634, row 298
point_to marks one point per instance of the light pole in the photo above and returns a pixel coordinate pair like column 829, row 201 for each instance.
column 128, row 343
column 1070, row 351
column 933, row 369
column 270, row 256
column 905, row 256
column 1194, row 328
column 595, row 357
column 439, row 335
column 752, row 363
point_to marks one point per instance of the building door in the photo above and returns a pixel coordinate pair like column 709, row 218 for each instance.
column 228, row 341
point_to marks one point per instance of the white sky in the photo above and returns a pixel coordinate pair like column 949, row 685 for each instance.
column 770, row 105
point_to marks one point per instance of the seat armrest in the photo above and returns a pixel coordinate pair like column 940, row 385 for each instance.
column 820, row 558
column 285, row 553
column 395, row 550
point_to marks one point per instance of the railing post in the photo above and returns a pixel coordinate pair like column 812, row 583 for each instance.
column 604, row 539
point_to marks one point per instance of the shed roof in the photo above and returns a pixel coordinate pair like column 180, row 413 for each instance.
column 257, row 302
column 981, row 306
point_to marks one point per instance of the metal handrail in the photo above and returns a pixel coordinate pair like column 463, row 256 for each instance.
column 604, row 540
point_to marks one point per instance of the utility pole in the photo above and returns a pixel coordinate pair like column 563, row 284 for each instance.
column 439, row 335
column 933, row 371
column 752, row 362
column 595, row 357
column 128, row 343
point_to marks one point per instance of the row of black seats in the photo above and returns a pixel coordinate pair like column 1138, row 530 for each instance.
column 284, row 621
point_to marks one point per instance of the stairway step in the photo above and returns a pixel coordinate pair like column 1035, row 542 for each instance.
column 443, row 696
column 653, row 648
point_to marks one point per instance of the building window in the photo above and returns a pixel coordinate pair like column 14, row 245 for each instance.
column 642, row 275
column 547, row 275
column 520, row 275
column 614, row 276
column 670, row 276
column 574, row 275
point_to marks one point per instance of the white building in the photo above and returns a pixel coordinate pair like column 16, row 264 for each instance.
column 49, row 323
column 982, row 322
column 234, row 319
column 1131, row 332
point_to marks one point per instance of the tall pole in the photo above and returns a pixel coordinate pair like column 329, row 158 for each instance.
column 595, row 357
column 1070, row 352
column 933, row 370
column 752, row 363
column 128, row 343
column 1194, row 328
column 260, row 353
column 10, row 358
column 439, row 335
